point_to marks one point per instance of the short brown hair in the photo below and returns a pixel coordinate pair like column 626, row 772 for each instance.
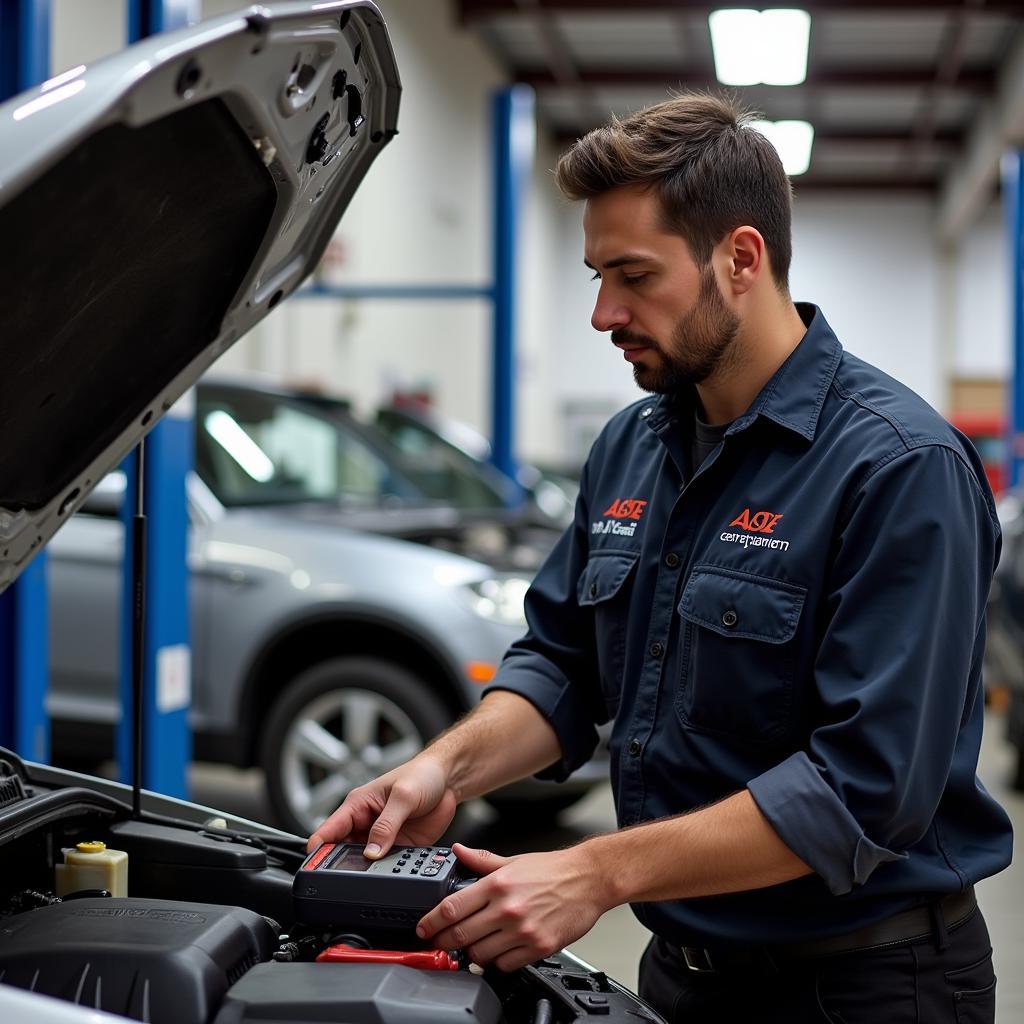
column 711, row 170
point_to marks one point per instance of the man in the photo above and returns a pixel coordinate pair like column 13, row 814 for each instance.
column 775, row 585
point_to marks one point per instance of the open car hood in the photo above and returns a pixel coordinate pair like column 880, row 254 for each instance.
column 156, row 205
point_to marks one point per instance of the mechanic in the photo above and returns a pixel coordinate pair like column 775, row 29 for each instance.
column 775, row 586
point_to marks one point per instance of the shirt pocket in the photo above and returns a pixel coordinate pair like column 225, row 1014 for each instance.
column 738, row 653
column 603, row 586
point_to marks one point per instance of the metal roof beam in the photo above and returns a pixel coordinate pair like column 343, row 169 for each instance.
column 978, row 80
column 970, row 183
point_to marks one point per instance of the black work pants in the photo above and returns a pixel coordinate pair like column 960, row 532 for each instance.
column 911, row 983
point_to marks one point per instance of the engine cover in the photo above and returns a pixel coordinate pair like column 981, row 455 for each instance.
column 359, row 994
column 153, row 960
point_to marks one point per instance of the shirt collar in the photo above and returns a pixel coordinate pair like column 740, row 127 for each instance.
column 794, row 395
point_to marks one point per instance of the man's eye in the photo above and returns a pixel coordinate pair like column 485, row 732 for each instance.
column 596, row 277
column 634, row 278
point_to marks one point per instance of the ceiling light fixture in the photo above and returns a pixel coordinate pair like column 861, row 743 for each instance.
column 792, row 140
column 754, row 47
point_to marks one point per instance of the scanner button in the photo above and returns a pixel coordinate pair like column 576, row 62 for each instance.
column 414, row 871
column 396, row 871
column 444, row 853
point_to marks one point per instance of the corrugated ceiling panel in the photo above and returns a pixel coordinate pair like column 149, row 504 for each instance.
column 515, row 40
column 898, row 39
column 626, row 40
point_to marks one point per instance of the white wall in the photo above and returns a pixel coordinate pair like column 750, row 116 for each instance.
column 871, row 266
column 983, row 314
column 83, row 31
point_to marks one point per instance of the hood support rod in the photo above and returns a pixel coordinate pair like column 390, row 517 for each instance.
column 138, row 624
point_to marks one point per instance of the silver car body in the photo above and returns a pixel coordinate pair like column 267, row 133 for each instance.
column 258, row 575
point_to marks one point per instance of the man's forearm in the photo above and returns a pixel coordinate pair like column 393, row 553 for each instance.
column 726, row 847
column 504, row 739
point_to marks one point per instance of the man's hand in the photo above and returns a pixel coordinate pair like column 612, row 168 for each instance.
column 411, row 805
column 526, row 907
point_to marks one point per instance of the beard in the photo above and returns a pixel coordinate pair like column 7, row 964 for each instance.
column 701, row 343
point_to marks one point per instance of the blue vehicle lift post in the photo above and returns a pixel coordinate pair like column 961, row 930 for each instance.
column 514, row 133
column 1013, row 205
column 24, row 633
column 166, row 658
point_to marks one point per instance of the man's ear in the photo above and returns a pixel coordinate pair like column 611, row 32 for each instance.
column 746, row 258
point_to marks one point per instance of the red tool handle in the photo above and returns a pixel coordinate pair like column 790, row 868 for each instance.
column 428, row 960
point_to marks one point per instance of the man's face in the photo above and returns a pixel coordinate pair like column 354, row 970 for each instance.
column 666, row 314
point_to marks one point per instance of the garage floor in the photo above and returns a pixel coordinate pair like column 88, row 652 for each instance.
column 616, row 942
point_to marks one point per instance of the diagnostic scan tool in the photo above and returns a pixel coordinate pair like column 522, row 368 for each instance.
column 338, row 887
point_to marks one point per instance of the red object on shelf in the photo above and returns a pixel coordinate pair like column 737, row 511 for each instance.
column 987, row 432
column 428, row 960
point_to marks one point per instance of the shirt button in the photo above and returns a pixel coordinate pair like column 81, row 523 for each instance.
column 657, row 650
column 634, row 747
column 593, row 590
column 730, row 618
column 672, row 560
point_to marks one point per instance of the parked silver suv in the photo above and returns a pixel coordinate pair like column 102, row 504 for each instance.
column 340, row 618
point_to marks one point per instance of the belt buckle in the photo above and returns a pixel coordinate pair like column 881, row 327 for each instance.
column 693, row 957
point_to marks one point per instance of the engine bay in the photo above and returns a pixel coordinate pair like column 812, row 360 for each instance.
column 207, row 933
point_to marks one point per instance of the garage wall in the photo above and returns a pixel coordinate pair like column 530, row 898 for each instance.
column 983, row 314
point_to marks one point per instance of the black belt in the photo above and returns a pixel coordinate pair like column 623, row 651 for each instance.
column 917, row 923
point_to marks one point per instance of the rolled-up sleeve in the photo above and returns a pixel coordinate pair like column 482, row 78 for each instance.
column 554, row 666
column 897, row 670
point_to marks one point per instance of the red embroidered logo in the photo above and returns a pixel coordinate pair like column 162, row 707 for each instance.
column 626, row 508
column 759, row 522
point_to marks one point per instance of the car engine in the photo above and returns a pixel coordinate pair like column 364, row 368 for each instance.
column 207, row 932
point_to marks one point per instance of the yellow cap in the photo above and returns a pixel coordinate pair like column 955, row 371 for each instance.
column 96, row 847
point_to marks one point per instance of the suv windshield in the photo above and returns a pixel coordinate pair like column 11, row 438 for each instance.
column 256, row 448
column 441, row 470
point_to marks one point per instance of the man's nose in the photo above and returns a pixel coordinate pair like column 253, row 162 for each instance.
column 608, row 314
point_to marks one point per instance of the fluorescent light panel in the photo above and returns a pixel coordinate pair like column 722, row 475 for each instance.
column 754, row 47
column 792, row 140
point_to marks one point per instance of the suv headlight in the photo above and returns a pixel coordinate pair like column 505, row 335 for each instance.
column 500, row 600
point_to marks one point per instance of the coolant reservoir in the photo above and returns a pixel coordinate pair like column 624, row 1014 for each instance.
column 93, row 866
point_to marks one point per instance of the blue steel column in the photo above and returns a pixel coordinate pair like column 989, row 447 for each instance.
column 24, row 44
column 24, row 632
column 1013, row 207
column 514, row 136
column 169, row 451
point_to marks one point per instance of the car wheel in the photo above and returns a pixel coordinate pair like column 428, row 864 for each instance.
column 340, row 724
column 1017, row 774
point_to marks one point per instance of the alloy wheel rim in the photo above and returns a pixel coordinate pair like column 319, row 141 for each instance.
column 338, row 741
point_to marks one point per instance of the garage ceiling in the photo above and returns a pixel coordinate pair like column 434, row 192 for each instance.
column 893, row 89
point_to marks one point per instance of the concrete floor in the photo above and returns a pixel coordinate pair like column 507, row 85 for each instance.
column 615, row 944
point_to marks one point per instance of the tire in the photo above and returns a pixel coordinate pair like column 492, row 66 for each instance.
column 1017, row 773
column 536, row 811
column 337, row 725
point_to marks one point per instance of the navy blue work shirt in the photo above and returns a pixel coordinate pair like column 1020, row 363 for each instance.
column 803, row 617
